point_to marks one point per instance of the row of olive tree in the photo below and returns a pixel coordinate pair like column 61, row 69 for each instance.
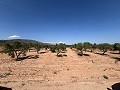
column 80, row 47
column 104, row 47
column 17, row 49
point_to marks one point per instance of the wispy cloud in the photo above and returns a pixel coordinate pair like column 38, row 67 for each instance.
column 14, row 37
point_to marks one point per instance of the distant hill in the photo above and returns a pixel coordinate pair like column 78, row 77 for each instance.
column 22, row 40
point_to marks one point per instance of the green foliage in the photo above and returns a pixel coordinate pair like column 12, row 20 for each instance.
column 15, row 49
column 74, row 45
column 53, row 48
column 62, row 47
column 46, row 47
column 87, row 45
column 104, row 47
column 94, row 46
column 116, row 46
column 58, row 48
column 30, row 45
column 38, row 47
column 83, row 46
column 79, row 47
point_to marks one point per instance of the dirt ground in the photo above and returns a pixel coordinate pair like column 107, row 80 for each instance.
column 49, row 72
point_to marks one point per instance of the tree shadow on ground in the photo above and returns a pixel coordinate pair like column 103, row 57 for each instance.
column 5, row 88
column 115, row 86
column 83, row 54
column 102, row 54
column 117, row 59
column 63, row 52
column 42, row 52
column 86, row 54
column 28, row 57
column 61, row 55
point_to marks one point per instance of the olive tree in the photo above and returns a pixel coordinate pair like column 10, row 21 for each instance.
column 58, row 48
column 38, row 47
column 15, row 49
column 62, row 47
column 46, row 47
column 30, row 45
column 116, row 46
column 53, row 48
column 87, row 45
column 94, row 46
column 80, row 47
column 104, row 47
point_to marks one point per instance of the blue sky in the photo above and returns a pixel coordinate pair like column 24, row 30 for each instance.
column 69, row 21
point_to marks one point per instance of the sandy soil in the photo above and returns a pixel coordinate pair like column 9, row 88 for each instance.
column 49, row 72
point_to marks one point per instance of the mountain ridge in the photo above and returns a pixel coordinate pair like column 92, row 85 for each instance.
column 22, row 40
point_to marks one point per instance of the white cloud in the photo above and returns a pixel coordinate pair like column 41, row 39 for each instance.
column 61, row 42
column 55, row 42
column 14, row 37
